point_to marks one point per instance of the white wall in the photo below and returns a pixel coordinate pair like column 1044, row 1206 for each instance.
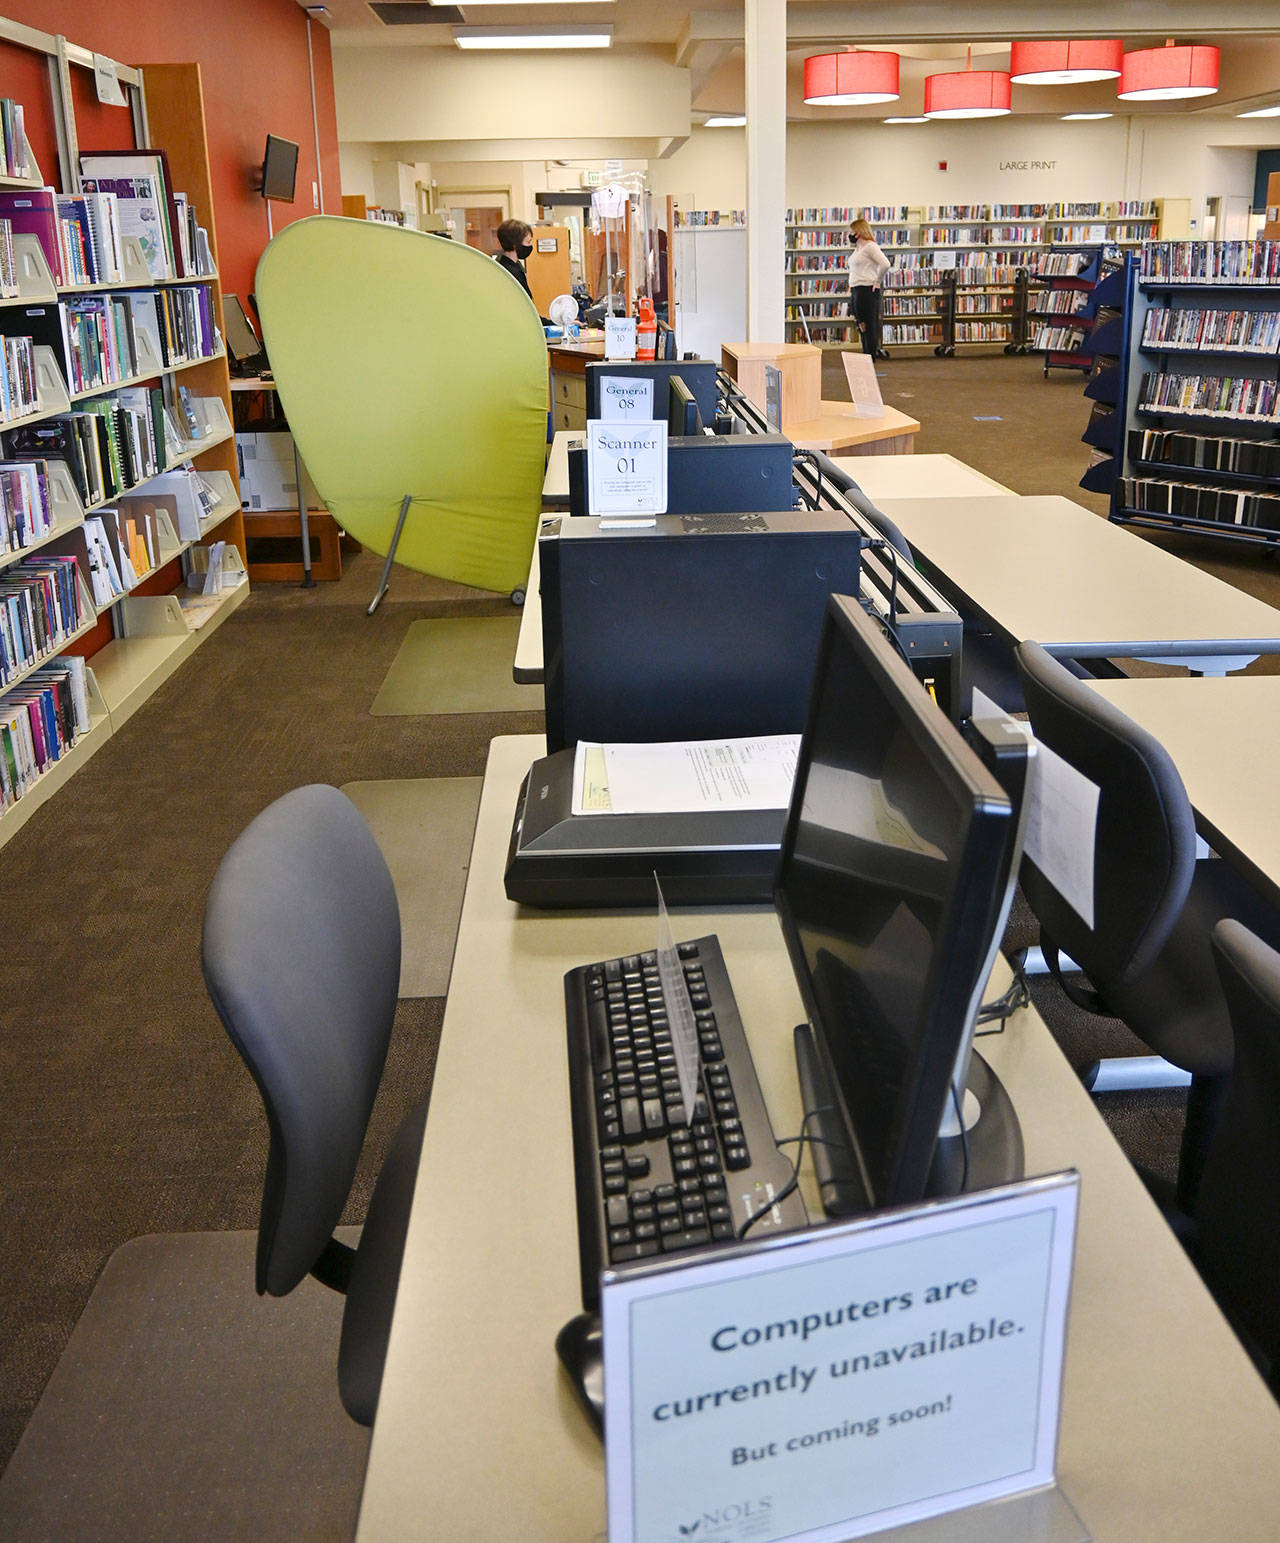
column 874, row 163
column 388, row 94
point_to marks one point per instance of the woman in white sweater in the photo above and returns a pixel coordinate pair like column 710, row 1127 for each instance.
column 867, row 267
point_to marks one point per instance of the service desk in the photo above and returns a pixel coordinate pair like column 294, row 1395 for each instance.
column 1049, row 569
column 1167, row 1432
column 1224, row 738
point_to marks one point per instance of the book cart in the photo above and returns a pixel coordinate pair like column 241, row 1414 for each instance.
column 134, row 638
column 1200, row 433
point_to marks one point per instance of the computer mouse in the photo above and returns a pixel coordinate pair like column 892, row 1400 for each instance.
column 580, row 1346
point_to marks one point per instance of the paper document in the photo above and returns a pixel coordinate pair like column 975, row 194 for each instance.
column 685, row 775
column 1062, row 829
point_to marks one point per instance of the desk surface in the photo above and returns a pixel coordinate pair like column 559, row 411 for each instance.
column 918, row 476
column 1049, row 569
column 555, row 484
column 837, row 429
column 1224, row 737
column 1167, row 1432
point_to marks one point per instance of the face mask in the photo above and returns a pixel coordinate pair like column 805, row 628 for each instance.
column 523, row 250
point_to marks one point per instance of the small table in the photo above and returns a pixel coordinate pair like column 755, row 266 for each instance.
column 920, row 476
column 1224, row 737
column 837, row 431
column 1049, row 569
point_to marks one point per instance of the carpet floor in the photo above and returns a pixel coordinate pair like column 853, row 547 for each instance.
column 124, row 1111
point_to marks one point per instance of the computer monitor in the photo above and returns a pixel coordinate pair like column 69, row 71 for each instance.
column 895, row 874
column 279, row 168
column 683, row 417
column 243, row 343
column 698, row 374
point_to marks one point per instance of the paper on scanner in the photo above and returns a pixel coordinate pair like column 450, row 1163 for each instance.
column 685, row 775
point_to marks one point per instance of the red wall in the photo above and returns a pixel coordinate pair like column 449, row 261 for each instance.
column 253, row 62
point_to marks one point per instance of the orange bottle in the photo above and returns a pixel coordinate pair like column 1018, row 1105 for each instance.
column 646, row 329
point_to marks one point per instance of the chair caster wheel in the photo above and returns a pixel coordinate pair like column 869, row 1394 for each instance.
column 517, row 597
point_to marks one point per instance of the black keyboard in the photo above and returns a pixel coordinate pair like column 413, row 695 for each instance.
column 654, row 1178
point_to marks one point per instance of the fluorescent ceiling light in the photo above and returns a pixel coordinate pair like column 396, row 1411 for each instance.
column 1262, row 112
column 1082, row 117
column 726, row 121
column 906, row 120
column 533, row 37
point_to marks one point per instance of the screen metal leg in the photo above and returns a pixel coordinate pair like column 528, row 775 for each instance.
column 391, row 557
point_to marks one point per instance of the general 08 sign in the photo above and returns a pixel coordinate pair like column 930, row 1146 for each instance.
column 833, row 1383
column 627, row 467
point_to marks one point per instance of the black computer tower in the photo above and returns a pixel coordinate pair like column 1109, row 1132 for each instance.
column 691, row 627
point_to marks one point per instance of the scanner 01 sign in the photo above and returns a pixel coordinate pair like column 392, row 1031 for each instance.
column 857, row 1378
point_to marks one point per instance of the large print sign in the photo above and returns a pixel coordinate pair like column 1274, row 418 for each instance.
column 844, row 1380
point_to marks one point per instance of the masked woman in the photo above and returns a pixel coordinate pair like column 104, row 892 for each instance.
column 867, row 267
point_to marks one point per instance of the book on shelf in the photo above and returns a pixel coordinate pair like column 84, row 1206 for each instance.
column 1196, row 328
column 39, row 610
column 1225, row 396
column 105, row 579
column 18, row 394
column 39, row 722
column 33, row 212
column 89, row 229
column 15, row 152
column 1210, row 262
column 25, row 510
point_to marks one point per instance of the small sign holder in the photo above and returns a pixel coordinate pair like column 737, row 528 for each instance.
column 898, row 1375
column 627, row 467
column 864, row 388
column 619, row 337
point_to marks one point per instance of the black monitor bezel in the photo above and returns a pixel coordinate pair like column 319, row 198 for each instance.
column 683, row 417
column 949, row 991
column 272, row 160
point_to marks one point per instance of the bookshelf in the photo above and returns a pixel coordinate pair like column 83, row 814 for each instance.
column 981, row 249
column 136, row 635
column 1201, row 428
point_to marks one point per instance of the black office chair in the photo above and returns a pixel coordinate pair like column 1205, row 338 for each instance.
column 301, row 953
column 1146, row 956
column 1236, row 1239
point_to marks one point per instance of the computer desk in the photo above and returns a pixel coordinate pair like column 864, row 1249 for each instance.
column 1049, row 569
column 1167, row 1431
column 1224, row 738
column 918, row 476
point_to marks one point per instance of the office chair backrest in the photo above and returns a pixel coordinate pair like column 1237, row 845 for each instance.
column 1145, row 847
column 301, row 953
column 1238, row 1201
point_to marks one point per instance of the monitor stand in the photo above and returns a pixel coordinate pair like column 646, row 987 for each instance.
column 994, row 1138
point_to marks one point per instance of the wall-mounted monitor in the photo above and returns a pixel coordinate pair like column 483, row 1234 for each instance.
column 279, row 169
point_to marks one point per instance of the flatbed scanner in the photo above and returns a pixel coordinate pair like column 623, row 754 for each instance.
column 558, row 859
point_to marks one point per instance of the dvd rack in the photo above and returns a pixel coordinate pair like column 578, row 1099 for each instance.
column 1201, row 447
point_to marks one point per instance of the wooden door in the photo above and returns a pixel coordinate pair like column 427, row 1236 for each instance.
column 482, row 227
column 548, row 265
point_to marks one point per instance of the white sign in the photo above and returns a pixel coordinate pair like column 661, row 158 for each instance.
column 548, row 244
column 106, row 80
column 626, row 467
column 827, row 1384
column 626, row 398
column 619, row 337
column 1062, row 829
column 864, row 388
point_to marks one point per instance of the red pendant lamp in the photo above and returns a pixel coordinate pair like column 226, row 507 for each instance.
column 1168, row 73
column 850, row 79
column 1064, row 63
column 967, row 93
